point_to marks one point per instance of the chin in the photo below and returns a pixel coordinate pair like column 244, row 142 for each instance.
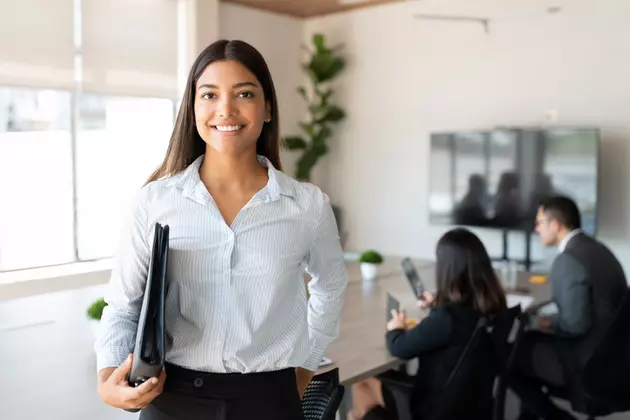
column 235, row 148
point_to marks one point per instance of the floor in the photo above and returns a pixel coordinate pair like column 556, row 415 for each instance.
column 47, row 365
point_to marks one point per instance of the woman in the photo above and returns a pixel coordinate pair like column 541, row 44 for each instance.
column 243, row 340
column 467, row 288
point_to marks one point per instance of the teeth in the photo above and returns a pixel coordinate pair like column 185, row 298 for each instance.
column 228, row 127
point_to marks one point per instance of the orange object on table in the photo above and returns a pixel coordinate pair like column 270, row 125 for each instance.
column 538, row 279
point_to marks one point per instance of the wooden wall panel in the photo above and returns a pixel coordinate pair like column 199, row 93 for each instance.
column 307, row 8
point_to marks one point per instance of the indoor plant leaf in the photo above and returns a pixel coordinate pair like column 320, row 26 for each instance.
column 295, row 142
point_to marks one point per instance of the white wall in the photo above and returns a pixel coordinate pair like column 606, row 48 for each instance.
column 408, row 77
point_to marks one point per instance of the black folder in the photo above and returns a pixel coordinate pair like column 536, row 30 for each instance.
column 149, row 351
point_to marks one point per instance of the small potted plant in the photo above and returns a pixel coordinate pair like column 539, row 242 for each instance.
column 370, row 260
column 94, row 312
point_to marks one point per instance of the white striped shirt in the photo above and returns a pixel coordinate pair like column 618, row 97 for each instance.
column 236, row 300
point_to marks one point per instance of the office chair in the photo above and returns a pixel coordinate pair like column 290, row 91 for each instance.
column 323, row 396
column 468, row 380
column 603, row 386
column 506, row 355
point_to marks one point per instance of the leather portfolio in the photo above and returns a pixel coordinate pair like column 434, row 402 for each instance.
column 149, row 351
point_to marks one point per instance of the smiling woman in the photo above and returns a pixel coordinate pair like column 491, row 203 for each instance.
column 209, row 97
column 246, row 340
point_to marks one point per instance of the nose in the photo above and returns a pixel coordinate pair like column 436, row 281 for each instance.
column 225, row 107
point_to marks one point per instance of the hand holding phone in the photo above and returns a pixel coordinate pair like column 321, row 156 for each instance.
column 426, row 300
column 393, row 304
column 398, row 321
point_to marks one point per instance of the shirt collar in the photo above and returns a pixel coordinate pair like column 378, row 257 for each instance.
column 278, row 184
column 565, row 241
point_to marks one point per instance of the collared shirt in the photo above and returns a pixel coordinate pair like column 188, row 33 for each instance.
column 236, row 298
column 563, row 243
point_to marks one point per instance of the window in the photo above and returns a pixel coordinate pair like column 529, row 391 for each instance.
column 89, row 123
column 36, row 215
column 120, row 142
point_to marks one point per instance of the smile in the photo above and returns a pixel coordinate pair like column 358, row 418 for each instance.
column 228, row 128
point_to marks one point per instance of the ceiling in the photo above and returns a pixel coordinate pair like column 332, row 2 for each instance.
column 309, row 8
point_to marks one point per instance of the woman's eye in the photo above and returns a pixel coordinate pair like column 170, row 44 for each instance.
column 208, row 95
column 246, row 95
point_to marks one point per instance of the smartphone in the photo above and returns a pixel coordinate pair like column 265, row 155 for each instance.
column 413, row 278
column 392, row 303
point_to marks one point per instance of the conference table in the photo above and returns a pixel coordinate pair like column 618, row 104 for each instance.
column 360, row 350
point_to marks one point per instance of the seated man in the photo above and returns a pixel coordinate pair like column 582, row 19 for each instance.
column 588, row 284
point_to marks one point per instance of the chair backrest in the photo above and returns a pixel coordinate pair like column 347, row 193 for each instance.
column 606, row 375
column 502, row 329
column 467, row 393
column 323, row 396
column 507, row 330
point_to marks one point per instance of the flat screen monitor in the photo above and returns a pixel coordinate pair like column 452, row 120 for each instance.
column 497, row 178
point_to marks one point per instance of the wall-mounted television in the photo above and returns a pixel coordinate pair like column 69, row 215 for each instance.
column 496, row 178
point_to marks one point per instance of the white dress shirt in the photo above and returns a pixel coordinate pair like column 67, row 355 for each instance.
column 563, row 243
column 236, row 300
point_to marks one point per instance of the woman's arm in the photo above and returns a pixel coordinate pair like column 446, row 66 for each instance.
column 433, row 332
column 328, row 285
column 117, row 331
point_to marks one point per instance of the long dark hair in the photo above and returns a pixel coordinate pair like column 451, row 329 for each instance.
column 464, row 273
column 186, row 144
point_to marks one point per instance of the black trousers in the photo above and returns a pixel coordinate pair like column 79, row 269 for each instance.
column 538, row 363
column 192, row 395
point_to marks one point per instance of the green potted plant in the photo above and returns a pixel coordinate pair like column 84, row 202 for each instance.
column 94, row 313
column 370, row 260
column 323, row 65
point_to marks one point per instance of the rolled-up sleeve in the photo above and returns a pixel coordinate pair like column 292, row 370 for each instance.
column 119, row 322
column 327, row 288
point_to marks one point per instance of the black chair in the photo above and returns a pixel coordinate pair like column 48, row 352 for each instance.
column 323, row 396
column 603, row 386
column 467, row 382
column 506, row 357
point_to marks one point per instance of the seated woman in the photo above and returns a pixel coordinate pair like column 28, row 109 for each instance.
column 467, row 288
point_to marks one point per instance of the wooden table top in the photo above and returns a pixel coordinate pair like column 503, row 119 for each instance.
column 360, row 351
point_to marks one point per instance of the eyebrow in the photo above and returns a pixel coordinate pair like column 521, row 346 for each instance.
column 235, row 86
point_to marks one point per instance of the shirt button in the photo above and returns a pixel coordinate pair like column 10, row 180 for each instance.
column 198, row 383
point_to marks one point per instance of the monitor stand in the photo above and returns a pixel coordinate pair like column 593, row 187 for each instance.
column 527, row 261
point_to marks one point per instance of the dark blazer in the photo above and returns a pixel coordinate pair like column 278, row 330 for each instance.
column 588, row 284
column 438, row 342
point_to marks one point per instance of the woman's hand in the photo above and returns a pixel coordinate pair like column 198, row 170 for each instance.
column 304, row 378
column 115, row 391
column 426, row 300
column 398, row 322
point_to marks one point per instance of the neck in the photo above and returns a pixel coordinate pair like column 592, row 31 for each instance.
column 230, row 171
column 563, row 234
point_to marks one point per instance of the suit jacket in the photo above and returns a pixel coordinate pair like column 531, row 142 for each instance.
column 588, row 285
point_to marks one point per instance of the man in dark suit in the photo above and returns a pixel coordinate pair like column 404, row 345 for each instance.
column 588, row 284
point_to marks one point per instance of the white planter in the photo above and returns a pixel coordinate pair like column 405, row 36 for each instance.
column 369, row 271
